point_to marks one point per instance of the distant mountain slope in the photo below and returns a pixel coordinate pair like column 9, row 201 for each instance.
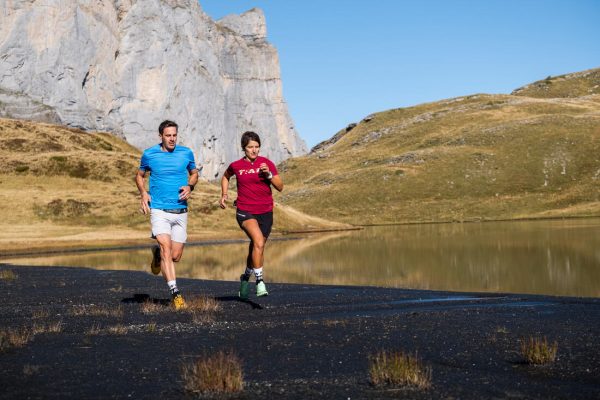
column 64, row 187
column 577, row 84
column 478, row 157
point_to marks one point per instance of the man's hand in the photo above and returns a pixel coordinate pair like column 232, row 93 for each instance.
column 185, row 192
column 145, row 203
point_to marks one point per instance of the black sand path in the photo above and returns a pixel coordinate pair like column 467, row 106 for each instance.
column 301, row 342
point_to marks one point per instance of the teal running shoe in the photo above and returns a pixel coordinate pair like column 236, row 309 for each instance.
column 261, row 289
column 244, row 288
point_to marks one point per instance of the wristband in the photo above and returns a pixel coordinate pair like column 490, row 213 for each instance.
column 191, row 187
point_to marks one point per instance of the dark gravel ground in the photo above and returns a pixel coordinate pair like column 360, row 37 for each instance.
column 301, row 342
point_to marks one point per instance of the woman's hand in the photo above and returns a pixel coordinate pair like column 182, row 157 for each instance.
column 264, row 168
column 223, row 200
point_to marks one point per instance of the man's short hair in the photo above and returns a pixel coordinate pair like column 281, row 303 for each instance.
column 167, row 124
column 248, row 136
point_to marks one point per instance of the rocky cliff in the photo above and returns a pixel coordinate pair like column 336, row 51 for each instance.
column 124, row 65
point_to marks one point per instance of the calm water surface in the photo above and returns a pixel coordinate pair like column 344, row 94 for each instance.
column 545, row 257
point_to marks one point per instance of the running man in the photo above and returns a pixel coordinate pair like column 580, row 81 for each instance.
column 255, row 175
column 173, row 175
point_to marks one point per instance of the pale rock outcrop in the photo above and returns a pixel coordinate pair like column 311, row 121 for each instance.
column 125, row 65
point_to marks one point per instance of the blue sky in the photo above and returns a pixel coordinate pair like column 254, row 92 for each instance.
column 344, row 59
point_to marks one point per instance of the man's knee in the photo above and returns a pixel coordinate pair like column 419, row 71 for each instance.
column 165, row 249
column 177, row 252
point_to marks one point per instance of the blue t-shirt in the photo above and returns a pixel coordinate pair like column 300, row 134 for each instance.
column 168, row 172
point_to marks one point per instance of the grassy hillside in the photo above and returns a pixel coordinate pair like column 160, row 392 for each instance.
column 479, row 157
column 578, row 84
column 532, row 154
column 65, row 187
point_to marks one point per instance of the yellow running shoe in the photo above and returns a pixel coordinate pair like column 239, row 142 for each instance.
column 155, row 265
column 178, row 301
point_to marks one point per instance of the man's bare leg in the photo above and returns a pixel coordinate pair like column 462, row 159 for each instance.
column 170, row 252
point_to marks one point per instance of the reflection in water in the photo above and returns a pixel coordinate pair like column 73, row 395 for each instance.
column 546, row 257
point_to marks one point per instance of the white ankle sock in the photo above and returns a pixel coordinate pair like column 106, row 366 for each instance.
column 258, row 273
column 172, row 286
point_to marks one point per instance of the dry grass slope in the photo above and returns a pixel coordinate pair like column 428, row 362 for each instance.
column 69, row 188
column 578, row 84
column 532, row 154
column 480, row 157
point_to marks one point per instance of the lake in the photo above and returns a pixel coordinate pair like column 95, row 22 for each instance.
column 551, row 257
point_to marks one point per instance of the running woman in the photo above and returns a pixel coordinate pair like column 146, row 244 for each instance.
column 173, row 174
column 255, row 175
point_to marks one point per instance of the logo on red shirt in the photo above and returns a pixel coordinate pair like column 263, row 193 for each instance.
column 248, row 171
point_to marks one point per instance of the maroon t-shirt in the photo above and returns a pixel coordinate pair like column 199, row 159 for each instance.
column 254, row 189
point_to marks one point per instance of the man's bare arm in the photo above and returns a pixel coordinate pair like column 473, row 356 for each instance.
column 140, row 182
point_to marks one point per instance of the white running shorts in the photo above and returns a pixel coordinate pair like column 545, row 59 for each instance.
column 174, row 225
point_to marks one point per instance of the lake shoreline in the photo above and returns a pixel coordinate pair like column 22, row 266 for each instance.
column 302, row 341
column 46, row 246
column 53, row 247
column 486, row 220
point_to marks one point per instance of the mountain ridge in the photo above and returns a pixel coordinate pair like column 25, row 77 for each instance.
column 476, row 157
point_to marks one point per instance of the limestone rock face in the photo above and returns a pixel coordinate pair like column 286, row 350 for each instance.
column 123, row 66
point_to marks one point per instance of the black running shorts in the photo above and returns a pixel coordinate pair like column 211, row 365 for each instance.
column 265, row 221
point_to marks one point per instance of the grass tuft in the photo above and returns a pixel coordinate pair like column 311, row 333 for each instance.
column 202, row 304
column 8, row 275
column 117, row 330
column 219, row 373
column 10, row 338
column 149, row 307
column 94, row 330
column 202, row 309
column 502, row 329
column 96, row 311
column 56, row 327
column 30, row 370
column 334, row 322
column 39, row 314
column 200, row 318
column 398, row 369
column 538, row 350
